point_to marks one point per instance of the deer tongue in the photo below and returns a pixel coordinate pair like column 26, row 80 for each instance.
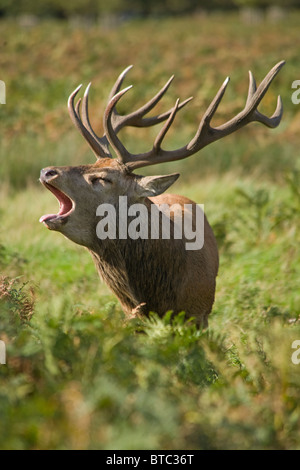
column 65, row 204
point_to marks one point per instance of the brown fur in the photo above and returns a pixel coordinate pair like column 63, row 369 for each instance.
column 144, row 274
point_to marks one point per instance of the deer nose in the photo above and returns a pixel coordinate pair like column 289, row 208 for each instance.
column 47, row 173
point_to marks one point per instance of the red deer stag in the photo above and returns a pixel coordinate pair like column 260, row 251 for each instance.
column 145, row 273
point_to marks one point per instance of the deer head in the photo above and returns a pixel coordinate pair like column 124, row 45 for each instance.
column 81, row 189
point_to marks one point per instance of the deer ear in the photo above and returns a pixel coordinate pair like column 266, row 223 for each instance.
column 149, row 186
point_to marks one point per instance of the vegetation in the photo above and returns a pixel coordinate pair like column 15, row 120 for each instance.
column 78, row 375
column 130, row 8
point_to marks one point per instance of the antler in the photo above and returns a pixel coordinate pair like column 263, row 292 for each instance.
column 100, row 145
column 205, row 134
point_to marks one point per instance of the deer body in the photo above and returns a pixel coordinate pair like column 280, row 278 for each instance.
column 154, row 273
column 145, row 274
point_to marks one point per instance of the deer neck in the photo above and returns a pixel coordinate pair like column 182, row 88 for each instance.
column 136, row 269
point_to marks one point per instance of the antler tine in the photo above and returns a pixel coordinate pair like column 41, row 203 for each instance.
column 250, row 112
column 102, row 141
column 111, row 129
column 204, row 125
column 255, row 95
column 118, row 83
column 274, row 120
column 252, row 88
column 110, row 132
column 75, row 117
column 136, row 118
column 100, row 145
column 150, row 121
column 166, row 127
column 207, row 134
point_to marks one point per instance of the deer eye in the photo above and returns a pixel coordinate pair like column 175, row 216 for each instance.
column 95, row 179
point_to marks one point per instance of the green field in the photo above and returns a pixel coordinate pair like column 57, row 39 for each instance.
column 78, row 376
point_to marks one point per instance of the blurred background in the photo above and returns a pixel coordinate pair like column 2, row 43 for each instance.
column 77, row 376
column 49, row 47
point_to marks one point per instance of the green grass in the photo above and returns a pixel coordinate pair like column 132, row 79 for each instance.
column 79, row 375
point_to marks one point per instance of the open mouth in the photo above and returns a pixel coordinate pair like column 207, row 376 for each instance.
column 65, row 205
